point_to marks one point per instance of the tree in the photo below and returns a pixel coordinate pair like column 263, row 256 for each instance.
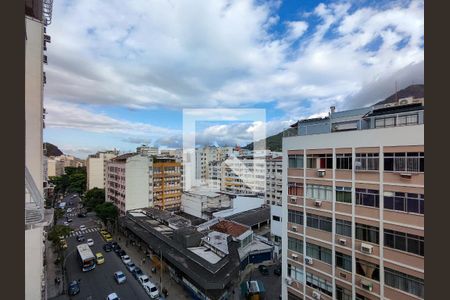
column 93, row 198
column 107, row 211
column 74, row 180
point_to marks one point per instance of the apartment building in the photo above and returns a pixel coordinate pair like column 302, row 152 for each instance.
column 214, row 174
column 55, row 167
column 37, row 17
column 167, row 183
column 274, row 168
column 147, row 150
column 96, row 168
column 353, row 204
column 204, row 156
column 202, row 202
column 244, row 175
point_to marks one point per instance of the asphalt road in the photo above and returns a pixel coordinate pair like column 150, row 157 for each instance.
column 98, row 283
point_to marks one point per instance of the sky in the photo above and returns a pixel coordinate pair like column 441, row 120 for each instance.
column 120, row 73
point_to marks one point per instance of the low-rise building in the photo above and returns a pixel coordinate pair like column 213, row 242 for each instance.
column 201, row 202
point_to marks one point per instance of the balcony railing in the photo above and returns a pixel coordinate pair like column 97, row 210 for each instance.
column 34, row 201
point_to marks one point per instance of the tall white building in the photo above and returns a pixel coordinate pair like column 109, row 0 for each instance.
column 244, row 175
column 96, row 168
column 147, row 150
column 274, row 166
column 36, row 217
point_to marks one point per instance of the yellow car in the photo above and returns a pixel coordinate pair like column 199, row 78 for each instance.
column 108, row 238
column 103, row 232
column 99, row 257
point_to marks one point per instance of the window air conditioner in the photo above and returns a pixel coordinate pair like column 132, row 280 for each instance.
column 294, row 256
column 308, row 260
column 316, row 295
column 366, row 248
column 318, row 203
column 294, row 229
column 367, row 285
column 288, row 280
column 342, row 241
column 321, row 173
column 406, row 175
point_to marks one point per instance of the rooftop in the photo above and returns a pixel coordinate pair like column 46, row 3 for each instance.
column 230, row 227
column 252, row 217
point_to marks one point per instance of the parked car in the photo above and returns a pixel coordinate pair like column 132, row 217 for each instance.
column 263, row 269
column 131, row 266
column 83, row 227
column 99, row 258
column 66, row 223
column 277, row 270
column 114, row 245
column 90, row 242
column 107, row 247
column 74, row 288
column 108, row 237
column 137, row 272
column 69, row 220
column 81, row 215
column 80, row 238
column 112, row 296
column 125, row 259
column 121, row 253
column 143, row 279
column 151, row 290
column 120, row 277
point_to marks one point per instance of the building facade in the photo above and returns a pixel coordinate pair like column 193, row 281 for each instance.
column 147, row 150
column 244, row 175
column 96, row 168
column 167, row 183
column 353, row 205
column 274, row 189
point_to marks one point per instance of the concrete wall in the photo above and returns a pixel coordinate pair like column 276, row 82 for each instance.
column 34, row 253
column 276, row 226
column 137, row 191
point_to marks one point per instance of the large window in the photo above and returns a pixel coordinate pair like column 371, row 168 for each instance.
column 295, row 244
column 319, row 252
column 404, row 282
column 344, row 161
column 295, row 161
column 343, row 261
column 319, row 161
column 319, row 192
column 295, row 273
column 385, row 122
column 367, row 197
column 404, row 162
column 318, row 222
column 343, row 294
column 412, row 119
column 407, row 202
column 295, row 217
column 404, row 241
column 319, row 283
column 367, row 233
column 367, row 269
column 367, row 162
column 344, row 194
column 344, row 227
column 295, row 189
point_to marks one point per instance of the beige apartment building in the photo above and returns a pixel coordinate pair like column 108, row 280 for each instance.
column 353, row 205
column 96, row 168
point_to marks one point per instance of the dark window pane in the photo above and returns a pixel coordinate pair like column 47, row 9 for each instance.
column 388, row 239
column 413, row 205
column 388, row 202
column 413, row 246
column 399, row 203
column 388, row 164
column 400, row 243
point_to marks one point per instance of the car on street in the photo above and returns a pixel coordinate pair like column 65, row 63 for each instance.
column 131, row 266
column 125, row 259
column 108, row 238
column 66, row 223
column 121, row 252
column 99, row 258
column 69, row 220
column 90, row 242
column 263, row 269
column 83, row 227
column 69, row 210
column 112, row 296
column 74, row 288
column 137, row 272
column 80, row 238
column 114, row 245
column 143, row 279
column 277, row 270
column 120, row 277
column 151, row 290
column 107, row 247
column 81, row 215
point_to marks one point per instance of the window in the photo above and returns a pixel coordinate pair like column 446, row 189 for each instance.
column 319, row 252
column 367, row 162
column 367, row 197
column 404, row 162
column 319, row 283
column 344, row 161
column 319, row 192
column 295, row 189
column 367, row 269
column 295, row 161
column 385, row 122
column 319, row 161
column 343, row 261
column 343, row 294
column 295, row 217
column 404, row 241
column 295, row 273
column 276, row 218
column 318, row 222
column 344, row 194
column 404, row 282
column 367, row 233
column 407, row 202
column 412, row 119
column 344, row 227
column 295, row 245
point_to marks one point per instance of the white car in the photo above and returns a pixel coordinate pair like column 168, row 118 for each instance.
column 83, row 227
column 90, row 242
column 69, row 210
column 112, row 296
column 120, row 277
column 143, row 279
column 148, row 286
column 126, row 259
column 66, row 223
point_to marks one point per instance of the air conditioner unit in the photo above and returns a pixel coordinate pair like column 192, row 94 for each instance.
column 390, row 104
column 315, row 295
column 294, row 256
column 405, row 101
column 308, row 260
column 288, row 280
column 294, row 228
column 321, row 173
column 318, row 203
column 367, row 285
column 342, row 241
column 406, row 175
column 366, row 248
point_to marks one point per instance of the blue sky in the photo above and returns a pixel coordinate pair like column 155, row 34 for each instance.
column 121, row 74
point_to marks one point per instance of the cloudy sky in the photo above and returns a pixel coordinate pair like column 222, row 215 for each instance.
column 120, row 73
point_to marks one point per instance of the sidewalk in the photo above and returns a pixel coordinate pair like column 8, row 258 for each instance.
column 176, row 291
column 53, row 271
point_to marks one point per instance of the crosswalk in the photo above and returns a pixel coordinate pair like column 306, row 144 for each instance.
column 79, row 232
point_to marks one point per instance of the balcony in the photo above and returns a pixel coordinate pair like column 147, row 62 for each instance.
column 34, row 201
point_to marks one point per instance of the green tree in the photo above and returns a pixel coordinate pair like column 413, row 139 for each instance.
column 107, row 211
column 93, row 198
